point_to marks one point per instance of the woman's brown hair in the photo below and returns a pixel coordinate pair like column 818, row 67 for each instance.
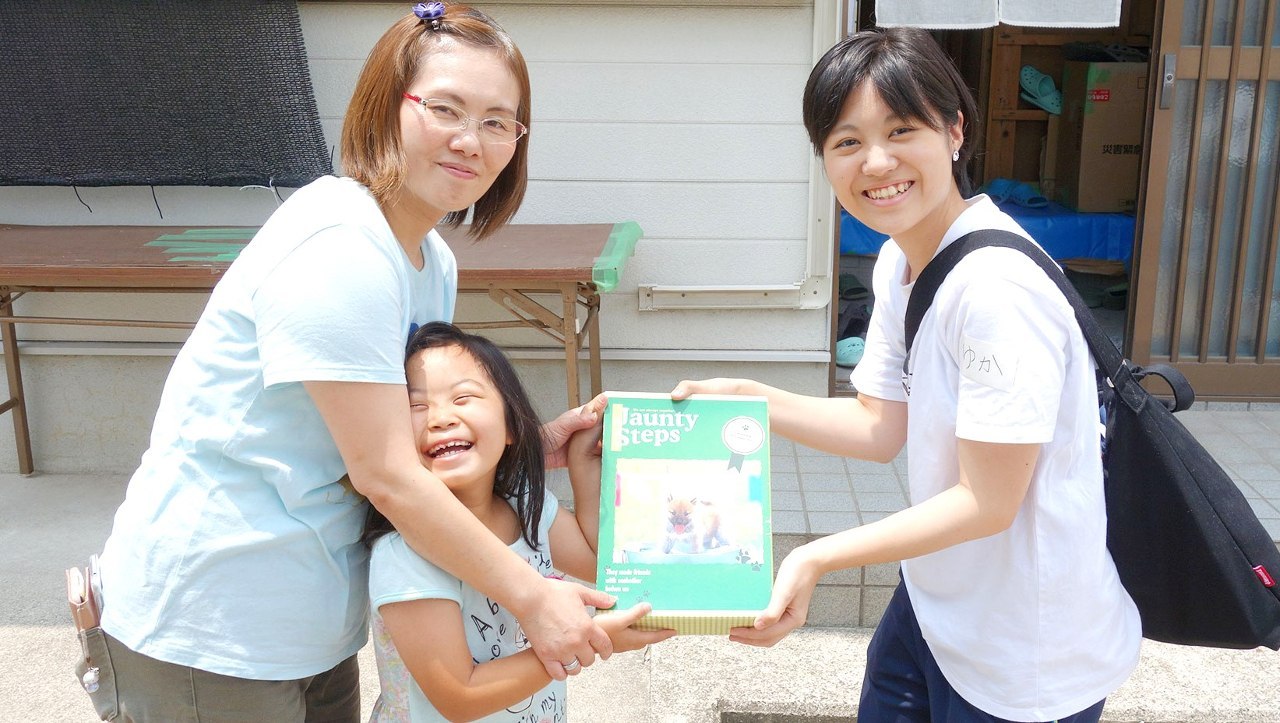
column 371, row 152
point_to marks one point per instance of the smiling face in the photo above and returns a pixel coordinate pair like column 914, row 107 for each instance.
column 893, row 174
column 449, row 169
column 459, row 420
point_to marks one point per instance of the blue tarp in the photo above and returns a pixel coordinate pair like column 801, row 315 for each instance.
column 1064, row 233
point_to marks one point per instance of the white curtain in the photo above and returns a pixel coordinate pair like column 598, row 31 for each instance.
column 966, row 14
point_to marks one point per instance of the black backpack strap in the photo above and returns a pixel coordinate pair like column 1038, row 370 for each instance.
column 1183, row 394
column 1117, row 369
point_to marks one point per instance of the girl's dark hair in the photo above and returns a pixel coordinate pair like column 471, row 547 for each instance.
column 521, row 473
column 913, row 76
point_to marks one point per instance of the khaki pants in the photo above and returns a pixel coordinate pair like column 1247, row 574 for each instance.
column 135, row 688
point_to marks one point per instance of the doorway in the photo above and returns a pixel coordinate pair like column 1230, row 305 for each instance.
column 1017, row 144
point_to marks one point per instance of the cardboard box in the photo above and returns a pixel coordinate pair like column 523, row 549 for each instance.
column 1102, row 128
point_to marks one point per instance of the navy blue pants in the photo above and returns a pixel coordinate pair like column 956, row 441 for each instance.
column 903, row 683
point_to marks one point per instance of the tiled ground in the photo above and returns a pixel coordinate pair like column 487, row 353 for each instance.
column 816, row 493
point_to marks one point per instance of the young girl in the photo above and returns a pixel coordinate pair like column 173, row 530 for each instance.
column 446, row 651
column 1010, row 607
column 234, row 581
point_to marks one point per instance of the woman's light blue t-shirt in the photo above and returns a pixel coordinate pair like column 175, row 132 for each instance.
column 237, row 548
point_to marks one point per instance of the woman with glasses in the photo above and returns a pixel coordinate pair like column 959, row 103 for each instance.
column 1010, row 607
column 234, row 582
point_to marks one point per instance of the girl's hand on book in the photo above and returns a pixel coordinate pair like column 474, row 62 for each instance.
column 707, row 386
column 617, row 623
column 788, row 606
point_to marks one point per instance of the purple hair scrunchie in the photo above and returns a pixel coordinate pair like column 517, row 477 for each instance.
column 430, row 12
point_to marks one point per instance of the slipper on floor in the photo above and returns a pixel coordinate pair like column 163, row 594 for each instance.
column 1039, row 90
column 853, row 320
column 1089, row 292
column 1116, row 297
column 851, row 289
column 849, row 351
column 1092, row 297
column 1000, row 190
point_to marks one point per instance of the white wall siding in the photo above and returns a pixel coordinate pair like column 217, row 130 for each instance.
column 87, row 413
column 683, row 119
column 136, row 206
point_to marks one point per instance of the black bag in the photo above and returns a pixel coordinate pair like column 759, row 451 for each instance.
column 1189, row 549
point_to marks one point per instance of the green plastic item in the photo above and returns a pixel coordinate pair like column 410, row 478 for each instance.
column 620, row 246
column 204, row 244
column 224, row 244
column 244, row 233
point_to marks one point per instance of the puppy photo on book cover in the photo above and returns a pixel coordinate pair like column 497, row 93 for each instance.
column 687, row 511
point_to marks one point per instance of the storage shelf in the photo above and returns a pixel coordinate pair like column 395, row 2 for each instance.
column 1014, row 132
column 1020, row 115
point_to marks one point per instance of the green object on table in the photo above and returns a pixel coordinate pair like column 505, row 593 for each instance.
column 228, row 257
column 621, row 245
column 204, row 244
column 200, row 246
column 237, row 232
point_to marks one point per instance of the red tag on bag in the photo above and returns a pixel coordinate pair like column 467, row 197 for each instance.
column 1100, row 95
column 1264, row 576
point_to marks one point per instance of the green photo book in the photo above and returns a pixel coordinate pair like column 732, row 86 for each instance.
column 684, row 509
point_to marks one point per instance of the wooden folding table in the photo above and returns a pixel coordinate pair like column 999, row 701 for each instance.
column 577, row 262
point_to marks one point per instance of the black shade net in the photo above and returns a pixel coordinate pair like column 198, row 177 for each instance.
column 151, row 92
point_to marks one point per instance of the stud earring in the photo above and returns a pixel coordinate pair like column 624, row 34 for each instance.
column 955, row 155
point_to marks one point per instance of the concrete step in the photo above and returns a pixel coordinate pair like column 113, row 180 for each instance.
column 815, row 675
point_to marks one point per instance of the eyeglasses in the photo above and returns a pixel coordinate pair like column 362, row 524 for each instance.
column 493, row 129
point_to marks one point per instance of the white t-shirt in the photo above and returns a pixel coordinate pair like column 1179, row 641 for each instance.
column 1031, row 623
column 236, row 549
column 398, row 574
